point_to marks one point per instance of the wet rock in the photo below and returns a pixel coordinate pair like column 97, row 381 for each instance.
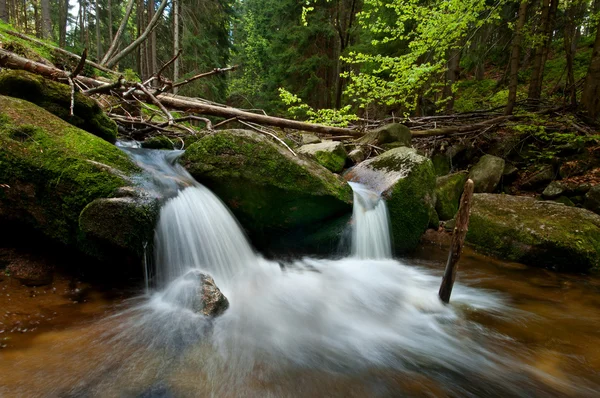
column 30, row 270
column 56, row 99
column 592, row 199
column 486, row 174
column 208, row 301
column 357, row 155
column 447, row 192
column 538, row 233
column 329, row 154
column 395, row 132
column 268, row 189
column 308, row 138
column 159, row 142
column 565, row 201
column 538, row 177
column 407, row 181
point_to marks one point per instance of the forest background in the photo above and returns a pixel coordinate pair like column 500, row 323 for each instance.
column 333, row 61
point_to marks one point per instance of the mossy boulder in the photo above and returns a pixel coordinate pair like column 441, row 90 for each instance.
column 486, row 174
column 329, row 154
column 407, row 181
column 539, row 233
column 442, row 164
column 394, row 132
column 50, row 171
column 56, row 99
column 448, row 190
column 158, row 142
column 268, row 189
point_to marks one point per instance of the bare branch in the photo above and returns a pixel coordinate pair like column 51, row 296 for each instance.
column 215, row 71
column 115, row 42
column 80, row 65
column 156, row 102
column 269, row 133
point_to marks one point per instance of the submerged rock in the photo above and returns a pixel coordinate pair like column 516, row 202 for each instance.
column 268, row 189
column 486, row 174
column 329, row 154
column 208, row 300
column 407, row 181
column 447, row 192
column 56, row 98
column 50, row 171
column 538, row 233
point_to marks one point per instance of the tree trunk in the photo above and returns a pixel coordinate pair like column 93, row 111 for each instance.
column 62, row 23
column 115, row 42
column 452, row 76
column 46, row 20
column 514, row 59
column 590, row 98
column 114, row 60
column 569, row 33
column 110, row 22
column 98, row 33
column 3, row 11
column 153, row 53
column 175, row 42
column 38, row 20
column 535, row 85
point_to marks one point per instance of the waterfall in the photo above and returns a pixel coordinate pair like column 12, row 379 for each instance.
column 370, row 229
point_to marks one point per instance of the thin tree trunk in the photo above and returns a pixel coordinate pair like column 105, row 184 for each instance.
column 590, row 98
column 98, row 34
column 514, row 59
column 141, row 38
column 46, row 20
column 38, row 20
column 62, row 23
column 535, row 85
column 452, row 76
column 569, row 34
column 3, row 11
column 175, row 42
column 153, row 52
column 110, row 22
column 115, row 42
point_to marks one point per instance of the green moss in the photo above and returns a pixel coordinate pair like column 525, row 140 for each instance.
column 160, row 142
column 534, row 232
column 331, row 160
column 265, row 186
column 441, row 164
column 56, row 98
column 448, row 191
column 53, row 169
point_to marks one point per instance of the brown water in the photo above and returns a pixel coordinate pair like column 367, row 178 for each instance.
column 74, row 347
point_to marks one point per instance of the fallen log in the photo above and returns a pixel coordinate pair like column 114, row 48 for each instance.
column 176, row 102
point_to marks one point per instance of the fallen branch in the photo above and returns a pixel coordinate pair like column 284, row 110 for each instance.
column 215, row 71
column 458, row 240
column 79, row 68
column 156, row 102
column 269, row 133
column 105, row 88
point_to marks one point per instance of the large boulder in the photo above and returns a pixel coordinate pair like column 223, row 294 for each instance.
column 407, row 181
column 447, row 193
column 486, row 174
column 538, row 233
column 390, row 133
column 56, row 98
column 51, row 171
column 329, row 154
column 268, row 189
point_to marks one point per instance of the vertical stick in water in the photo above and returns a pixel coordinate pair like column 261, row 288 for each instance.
column 458, row 240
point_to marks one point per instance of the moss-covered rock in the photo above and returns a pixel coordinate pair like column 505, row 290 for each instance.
column 394, row 132
column 538, row 233
column 447, row 192
column 329, row 154
column 486, row 174
column 56, row 98
column 50, row 171
column 442, row 164
column 158, row 142
column 268, row 189
column 407, row 181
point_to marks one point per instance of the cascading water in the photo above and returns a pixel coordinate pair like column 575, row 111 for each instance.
column 314, row 327
column 370, row 229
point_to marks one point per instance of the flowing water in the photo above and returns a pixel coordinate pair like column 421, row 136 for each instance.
column 366, row 325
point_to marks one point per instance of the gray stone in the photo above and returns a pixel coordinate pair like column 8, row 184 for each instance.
column 329, row 154
column 539, row 177
column 389, row 133
column 407, row 181
column 486, row 173
column 208, row 300
column 533, row 232
column 554, row 190
column 592, row 199
column 308, row 138
column 357, row 155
